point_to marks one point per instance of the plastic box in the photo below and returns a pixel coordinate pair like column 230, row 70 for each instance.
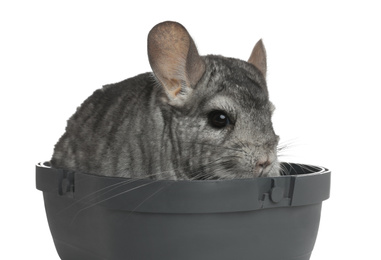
column 97, row 217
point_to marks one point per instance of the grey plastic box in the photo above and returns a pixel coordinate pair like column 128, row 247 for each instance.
column 97, row 217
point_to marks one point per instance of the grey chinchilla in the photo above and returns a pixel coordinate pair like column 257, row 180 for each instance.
column 194, row 117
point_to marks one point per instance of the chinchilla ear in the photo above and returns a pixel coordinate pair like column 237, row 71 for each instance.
column 258, row 57
column 174, row 58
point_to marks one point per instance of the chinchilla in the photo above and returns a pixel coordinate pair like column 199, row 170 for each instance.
column 194, row 118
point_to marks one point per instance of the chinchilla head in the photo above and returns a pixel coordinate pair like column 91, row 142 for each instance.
column 217, row 108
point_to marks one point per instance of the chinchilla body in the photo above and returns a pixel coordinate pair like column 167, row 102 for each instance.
column 194, row 117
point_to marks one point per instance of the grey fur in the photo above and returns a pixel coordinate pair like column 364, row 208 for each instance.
column 132, row 129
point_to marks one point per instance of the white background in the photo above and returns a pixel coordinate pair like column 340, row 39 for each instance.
column 323, row 76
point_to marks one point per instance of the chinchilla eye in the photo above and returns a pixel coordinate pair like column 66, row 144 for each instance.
column 218, row 119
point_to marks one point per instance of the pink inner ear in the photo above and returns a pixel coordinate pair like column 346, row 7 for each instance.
column 195, row 64
column 258, row 57
column 173, row 57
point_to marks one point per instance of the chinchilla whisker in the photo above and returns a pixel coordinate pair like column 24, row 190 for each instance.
column 283, row 170
column 292, row 167
column 282, row 147
column 306, row 168
column 109, row 189
column 181, row 168
column 147, row 176
column 277, row 167
column 198, row 176
column 204, row 176
column 211, row 168
column 201, row 174
column 215, row 145
column 94, row 195
column 243, row 144
column 103, row 191
column 149, row 197
column 111, row 197
column 117, row 185
column 286, row 145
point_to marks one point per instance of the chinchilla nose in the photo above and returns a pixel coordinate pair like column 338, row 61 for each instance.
column 263, row 163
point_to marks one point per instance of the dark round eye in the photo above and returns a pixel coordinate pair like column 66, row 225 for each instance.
column 218, row 119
